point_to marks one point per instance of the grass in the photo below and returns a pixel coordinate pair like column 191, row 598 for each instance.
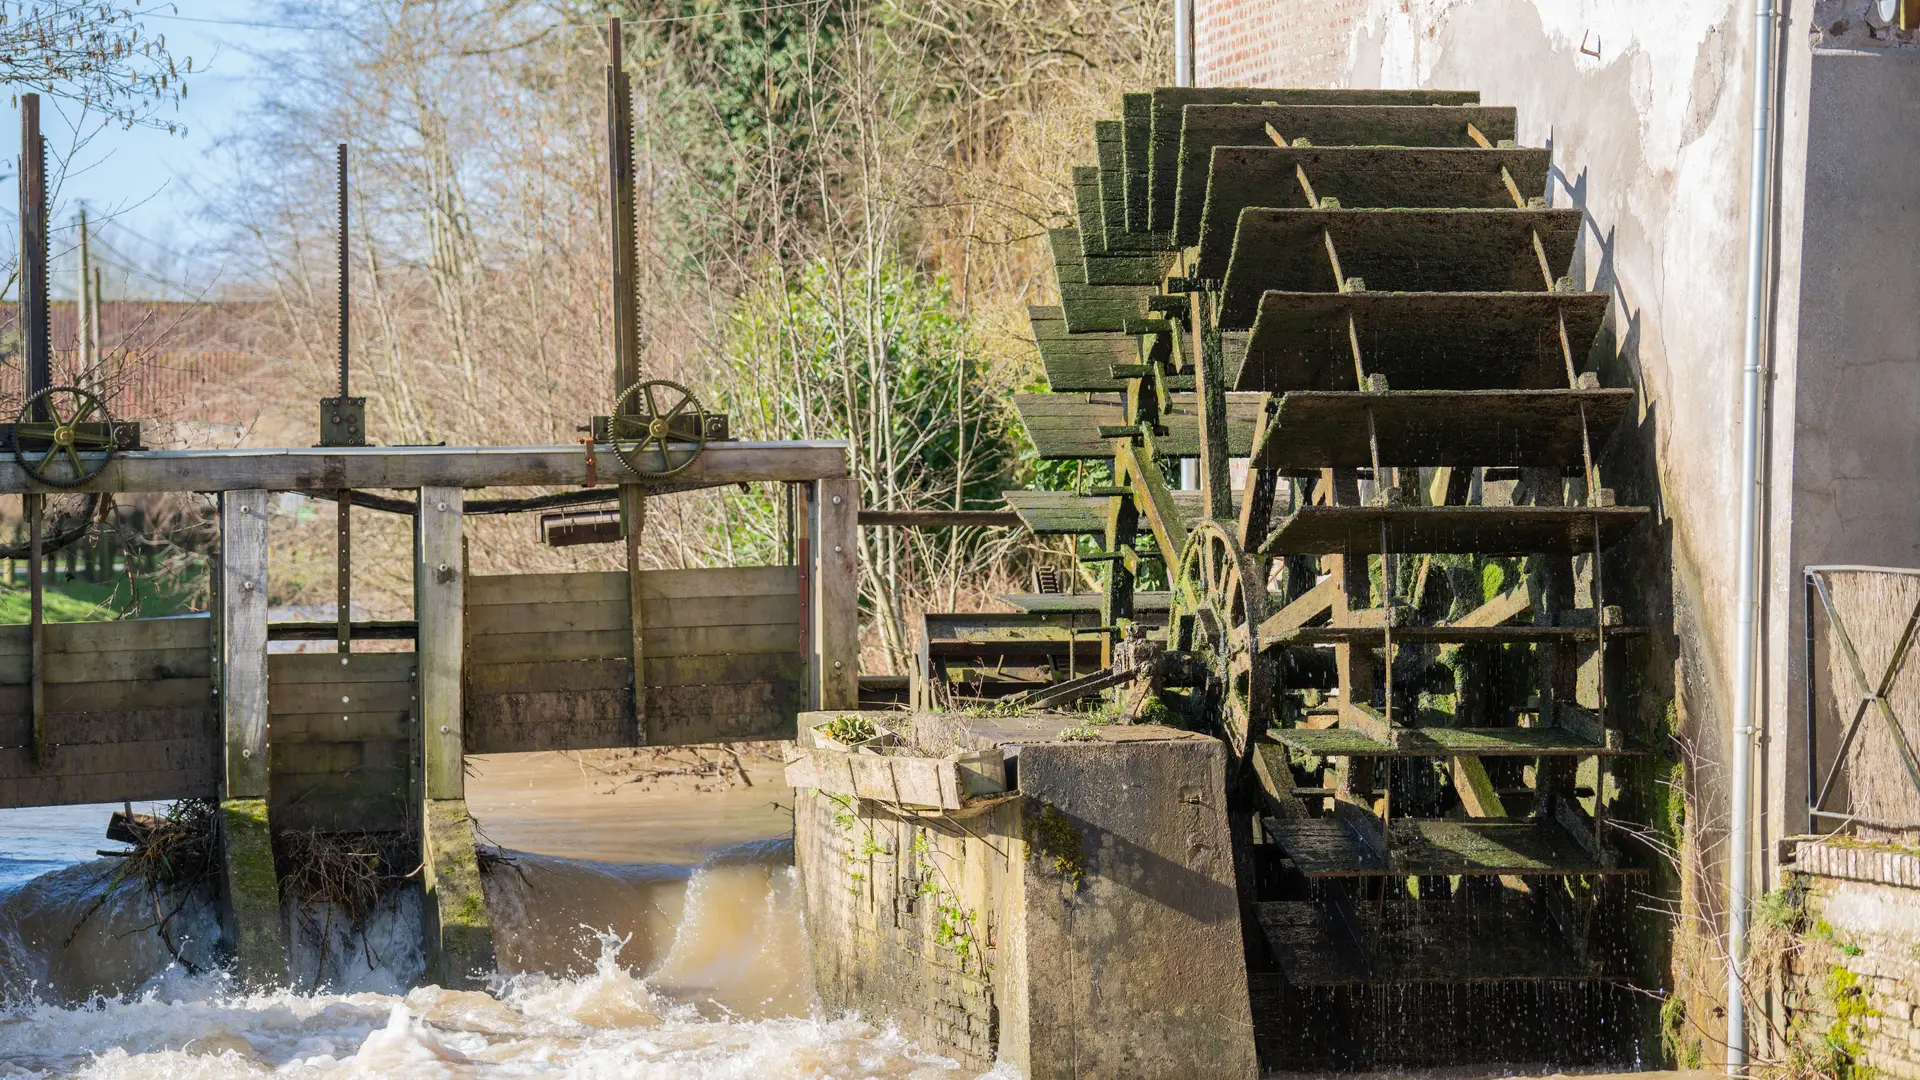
column 80, row 600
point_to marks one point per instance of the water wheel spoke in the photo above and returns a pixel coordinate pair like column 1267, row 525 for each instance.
column 90, row 405
column 52, row 452
column 79, row 470
column 653, row 408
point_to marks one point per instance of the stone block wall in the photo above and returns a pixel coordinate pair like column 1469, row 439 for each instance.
column 1851, row 979
column 1086, row 928
column 903, row 919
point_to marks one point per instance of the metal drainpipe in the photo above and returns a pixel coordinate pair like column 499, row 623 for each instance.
column 1740, row 827
column 1183, row 42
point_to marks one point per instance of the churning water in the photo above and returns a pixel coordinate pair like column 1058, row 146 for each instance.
column 703, row 979
column 689, row 966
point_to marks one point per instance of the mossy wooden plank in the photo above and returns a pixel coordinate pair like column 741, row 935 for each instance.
column 1050, row 513
column 668, row 585
column 1069, row 262
column 1171, row 105
column 1090, row 308
column 1065, row 426
column 1487, row 530
column 1086, row 211
column 1323, row 848
column 1004, row 625
column 487, row 589
column 1109, row 144
column 1418, row 340
column 250, row 895
column 1315, row 429
column 1393, row 251
column 1441, row 742
column 1213, row 191
column 1136, row 128
column 1079, row 362
column 459, row 936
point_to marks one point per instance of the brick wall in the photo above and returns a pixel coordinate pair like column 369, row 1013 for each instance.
column 1852, row 976
column 1238, row 42
column 905, row 919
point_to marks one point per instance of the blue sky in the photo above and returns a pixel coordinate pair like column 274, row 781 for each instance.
column 151, row 186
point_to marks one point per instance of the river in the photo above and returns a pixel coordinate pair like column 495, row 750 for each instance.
column 646, row 930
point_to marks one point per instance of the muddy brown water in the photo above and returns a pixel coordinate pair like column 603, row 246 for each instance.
column 648, row 930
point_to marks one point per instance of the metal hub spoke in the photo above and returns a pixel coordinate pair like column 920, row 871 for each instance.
column 48, row 436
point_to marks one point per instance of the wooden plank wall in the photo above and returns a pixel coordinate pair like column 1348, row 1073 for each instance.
column 342, row 739
column 549, row 658
column 130, row 713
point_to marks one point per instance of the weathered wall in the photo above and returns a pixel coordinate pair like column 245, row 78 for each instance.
column 1088, row 929
column 1645, row 104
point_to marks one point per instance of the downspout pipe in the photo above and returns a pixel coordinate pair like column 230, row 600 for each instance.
column 1183, row 42
column 1740, row 825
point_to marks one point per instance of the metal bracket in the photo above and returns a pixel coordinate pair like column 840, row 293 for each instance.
column 343, row 421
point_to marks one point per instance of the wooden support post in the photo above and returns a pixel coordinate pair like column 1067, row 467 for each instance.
column 36, row 620
column 633, row 514
column 458, row 935
column 836, row 600
column 251, row 892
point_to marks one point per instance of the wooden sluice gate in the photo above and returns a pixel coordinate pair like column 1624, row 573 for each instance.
column 361, row 743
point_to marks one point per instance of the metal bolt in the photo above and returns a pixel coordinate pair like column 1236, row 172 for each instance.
column 247, row 585
column 836, row 500
column 440, row 506
column 443, row 568
column 246, row 753
column 836, row 549
column 344, row 699
column 444, row 729
column 836, row 665
column 246, row 509
column 343, row 661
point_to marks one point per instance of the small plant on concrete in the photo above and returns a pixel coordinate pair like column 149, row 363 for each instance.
column 1084, row 732
column 1052, row 838
column 849, row 729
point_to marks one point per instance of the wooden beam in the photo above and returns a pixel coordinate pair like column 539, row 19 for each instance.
column 1306, row 606
column 836, row 583
column 250, row 897
column 243, row 641
column 437, row 595
column 1153, row 499
column 331, row 468
column 1509, row 605
column 633, row 520
column 940, row 519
